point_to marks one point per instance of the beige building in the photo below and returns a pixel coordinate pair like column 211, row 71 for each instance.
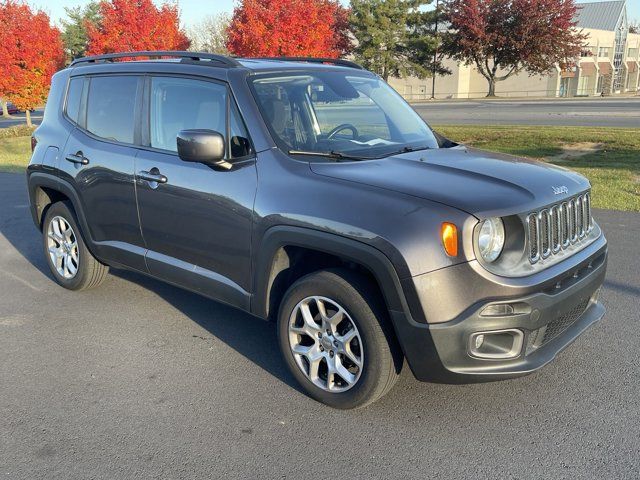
column 610, row 64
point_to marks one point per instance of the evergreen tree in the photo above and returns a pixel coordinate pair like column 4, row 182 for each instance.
column 395, row 37
column 74, row 35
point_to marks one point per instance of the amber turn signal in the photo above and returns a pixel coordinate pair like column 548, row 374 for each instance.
column 449, row 235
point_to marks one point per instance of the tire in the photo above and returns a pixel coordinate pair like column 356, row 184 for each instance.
column 67, row 255
column 352, row 297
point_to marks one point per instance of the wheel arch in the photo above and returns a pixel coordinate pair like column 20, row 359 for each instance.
column 45, row 190
column 285, row 247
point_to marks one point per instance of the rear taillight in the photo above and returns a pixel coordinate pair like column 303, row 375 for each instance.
column 34, row 142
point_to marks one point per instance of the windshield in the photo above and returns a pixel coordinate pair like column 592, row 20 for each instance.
column 339, row 113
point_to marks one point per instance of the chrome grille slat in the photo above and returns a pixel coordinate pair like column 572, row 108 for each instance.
column 555, row 228
column 573, row 225
column 580, row 216
column 564, row 213
column 587, row 212
column 532, row 227
column 544, row 232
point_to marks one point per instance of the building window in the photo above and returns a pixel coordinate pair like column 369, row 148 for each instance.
column 604, row 52
column 633, row 53
column 588, row 52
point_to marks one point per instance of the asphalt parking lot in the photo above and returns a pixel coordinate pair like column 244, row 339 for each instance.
column 138, row 379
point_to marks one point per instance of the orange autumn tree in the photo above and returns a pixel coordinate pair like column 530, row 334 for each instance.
column 30, row 53
column 129, row 25
column 269, row 28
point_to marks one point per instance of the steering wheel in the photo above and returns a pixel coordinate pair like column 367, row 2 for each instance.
column 339, row 128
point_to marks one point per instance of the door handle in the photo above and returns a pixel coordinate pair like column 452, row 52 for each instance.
column 77, row 158
column 152, row 176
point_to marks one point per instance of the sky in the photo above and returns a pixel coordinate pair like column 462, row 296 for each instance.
column 193, row 10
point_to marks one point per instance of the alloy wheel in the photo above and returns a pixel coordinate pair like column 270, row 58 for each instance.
column 62, row 245
column 326, row 344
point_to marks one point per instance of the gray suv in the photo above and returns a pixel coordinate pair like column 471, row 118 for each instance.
column 307, row 192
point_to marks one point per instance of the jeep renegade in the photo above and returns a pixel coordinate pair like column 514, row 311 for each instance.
column 308, row 192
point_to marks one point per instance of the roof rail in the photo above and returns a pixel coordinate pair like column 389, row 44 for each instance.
column 334, row 61
column 185, row 56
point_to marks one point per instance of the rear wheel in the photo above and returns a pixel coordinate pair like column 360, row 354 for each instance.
column 71, row 263
column 335, row 338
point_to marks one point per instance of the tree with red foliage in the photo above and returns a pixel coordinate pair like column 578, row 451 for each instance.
column 270, row 28
column 130, row 25
column 504, row 37
column 30, row 53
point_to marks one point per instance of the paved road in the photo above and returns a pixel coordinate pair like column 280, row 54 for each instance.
column 138, row 379
column 592, row 112
column 19, row 119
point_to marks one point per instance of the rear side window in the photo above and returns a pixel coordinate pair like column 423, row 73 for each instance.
column 74, row 95
column 111, row 106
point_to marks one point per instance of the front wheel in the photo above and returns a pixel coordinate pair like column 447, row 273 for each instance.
column 335, row 337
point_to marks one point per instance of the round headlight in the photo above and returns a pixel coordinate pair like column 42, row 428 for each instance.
column 491, row 239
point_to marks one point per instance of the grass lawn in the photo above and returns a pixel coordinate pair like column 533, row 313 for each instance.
column 14, row 153
column 608, row 157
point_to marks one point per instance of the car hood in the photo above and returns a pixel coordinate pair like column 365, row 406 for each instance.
column 478, row 182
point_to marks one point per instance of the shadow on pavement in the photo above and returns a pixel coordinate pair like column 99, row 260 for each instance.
column 621, row 287
column 250, row 336
column 16, row 224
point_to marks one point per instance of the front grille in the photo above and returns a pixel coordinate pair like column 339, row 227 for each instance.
column 559, row 226
column 557, row 326
column 561, row 323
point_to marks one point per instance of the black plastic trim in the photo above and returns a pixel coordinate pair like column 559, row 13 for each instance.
column 193, row 56
column 331, row 61
column 371, row 258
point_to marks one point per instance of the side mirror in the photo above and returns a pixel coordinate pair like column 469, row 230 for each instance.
column 201, row 146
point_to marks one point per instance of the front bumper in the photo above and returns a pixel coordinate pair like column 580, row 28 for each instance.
column 550, row 314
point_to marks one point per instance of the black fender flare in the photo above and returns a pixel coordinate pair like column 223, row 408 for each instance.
column 36, row 180
column 345, row 248
column 414, row 337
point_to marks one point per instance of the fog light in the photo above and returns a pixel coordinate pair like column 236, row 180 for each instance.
column 497, row 344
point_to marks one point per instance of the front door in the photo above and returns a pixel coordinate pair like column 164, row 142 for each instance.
column 196, row 220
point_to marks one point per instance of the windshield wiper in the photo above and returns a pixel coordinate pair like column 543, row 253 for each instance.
column 332, row 154
column 408, row 149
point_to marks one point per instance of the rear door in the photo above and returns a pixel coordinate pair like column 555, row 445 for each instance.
column 196, row 221
column 98, row 161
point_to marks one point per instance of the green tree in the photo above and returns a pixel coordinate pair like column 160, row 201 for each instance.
column 395, row 37
column 74, row 35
